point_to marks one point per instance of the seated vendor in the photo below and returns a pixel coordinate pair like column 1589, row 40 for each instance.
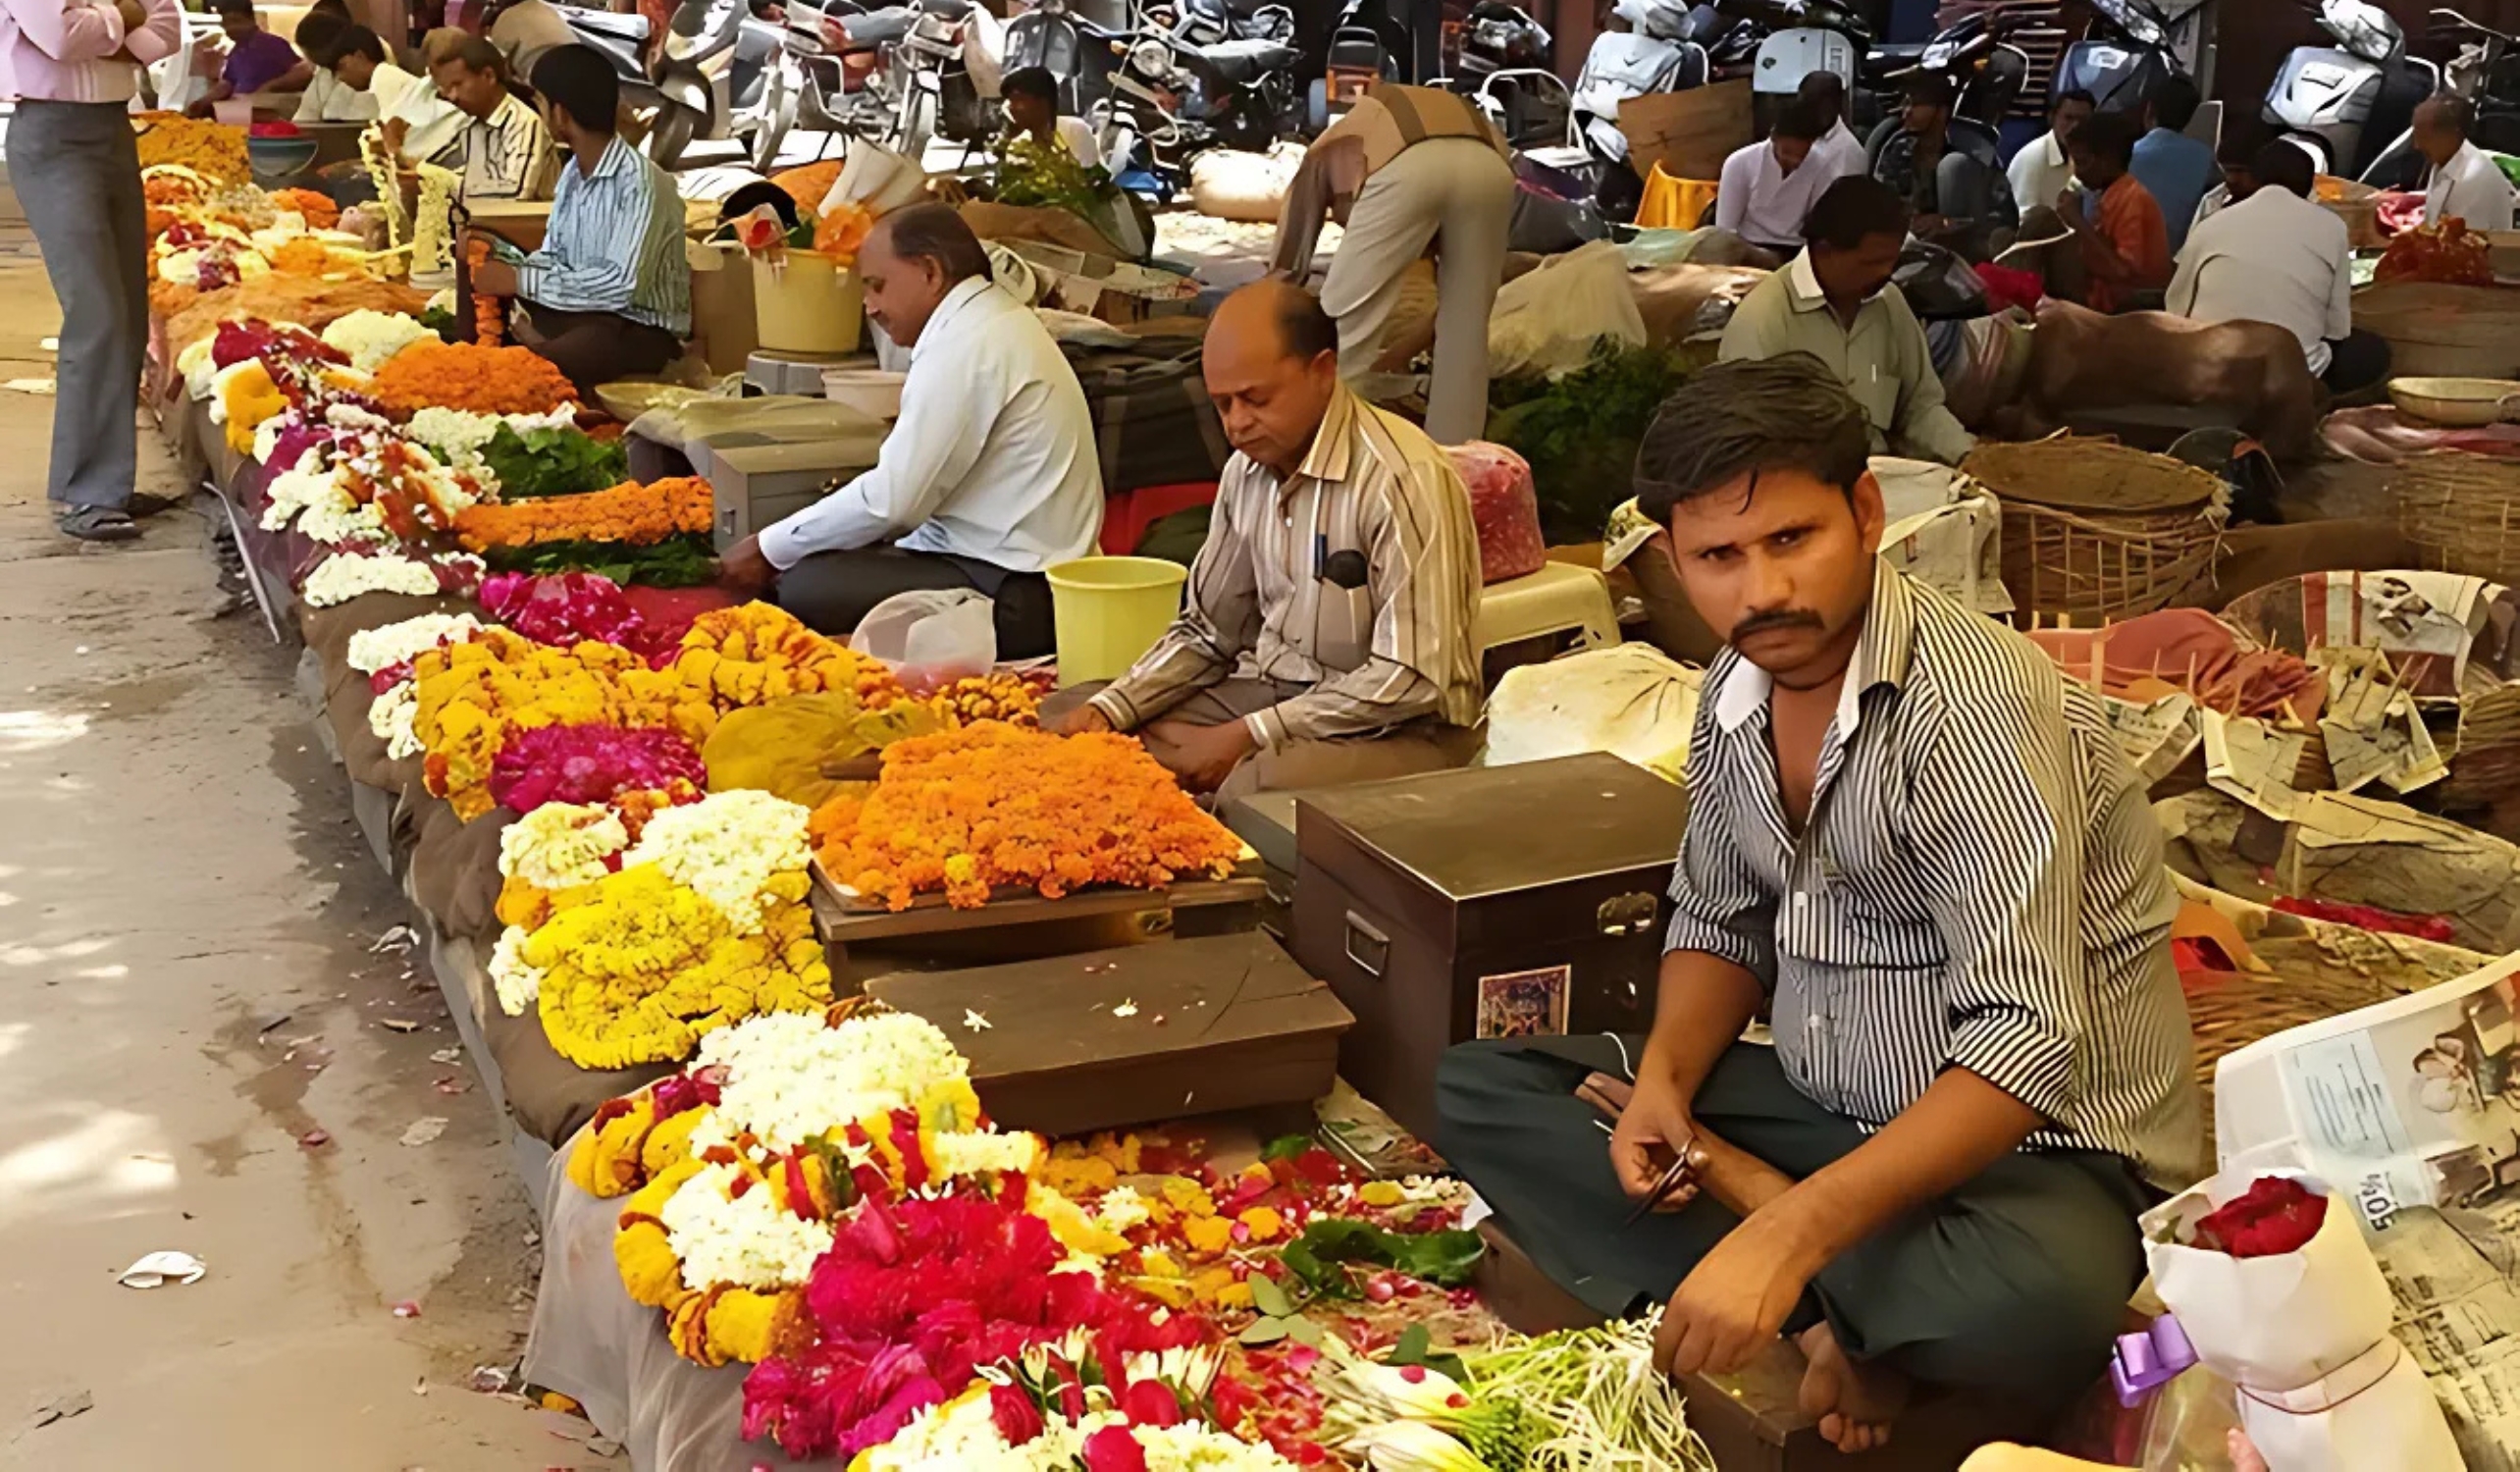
column 258, row 60
column 1768, row 189
column 1326, row 633
column 2124, row 242
column 608, row 291
column 989, row 477
column 1031, row 97
column 1917, row 847
column 2275, row 254
column 1836, row 303
column 506, row 151
column 421, row 125
column 1959, row 199
column 355, row 78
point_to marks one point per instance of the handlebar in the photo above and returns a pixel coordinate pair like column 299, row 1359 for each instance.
column 2459, row 22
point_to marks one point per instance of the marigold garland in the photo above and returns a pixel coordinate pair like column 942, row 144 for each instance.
column 990, row 805
column 470, row 377
column 636, row 967
column 629, row 514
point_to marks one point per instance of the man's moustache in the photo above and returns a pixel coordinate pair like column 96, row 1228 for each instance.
column 1782, row 619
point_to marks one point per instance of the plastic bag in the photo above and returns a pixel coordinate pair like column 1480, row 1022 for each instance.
column 1630, row 699
column 930, row 636
column 1506, row 506
column 1547, row 320
column 1250, row 187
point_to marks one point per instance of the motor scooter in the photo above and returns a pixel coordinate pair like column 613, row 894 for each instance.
column 2343, row 104
column 2485, row 73
column 1503, row 66
column 2124, row 61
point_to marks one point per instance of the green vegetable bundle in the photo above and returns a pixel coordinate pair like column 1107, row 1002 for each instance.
column 560, row 461
column 1580, row 433
column 684, row 561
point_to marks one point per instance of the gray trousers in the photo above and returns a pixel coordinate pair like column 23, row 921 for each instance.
column 2016, row 1282
column 1457, row 193
column 77, row 171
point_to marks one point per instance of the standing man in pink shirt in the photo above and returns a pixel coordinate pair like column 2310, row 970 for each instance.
column 71, row 64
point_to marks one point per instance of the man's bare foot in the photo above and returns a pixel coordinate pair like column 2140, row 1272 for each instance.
column 1855, row 1402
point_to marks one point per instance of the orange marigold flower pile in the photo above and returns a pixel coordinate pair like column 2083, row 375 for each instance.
column 631, row 513
column 317, row 210
column 467, row 376
column 302, row 256
column 990, row 805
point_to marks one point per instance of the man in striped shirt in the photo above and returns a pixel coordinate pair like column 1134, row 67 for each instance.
column 1325, row 637
column 609, row 294
column 1915, row 849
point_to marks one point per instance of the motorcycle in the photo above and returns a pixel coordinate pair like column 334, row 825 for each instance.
column 827, row 77
column 2343, row 104
column 711, row 75
column 2485, row 73
column 936, row 94
column 1365, row 45
column 1172, row 100
column 1503, row 66
column 1069, row 46
column 2122, row 63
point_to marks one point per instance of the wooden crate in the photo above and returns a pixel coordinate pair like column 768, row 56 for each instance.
column 930, row 935
column 1116, row 1038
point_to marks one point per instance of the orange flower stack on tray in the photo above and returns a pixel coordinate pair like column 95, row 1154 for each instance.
column 968, row 810
column 469, row 377
column 753, row 653
column 630, row 514
column 489, row 320
column 318, row 211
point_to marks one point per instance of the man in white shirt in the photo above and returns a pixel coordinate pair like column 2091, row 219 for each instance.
column 1838, row 152
column 2465, row 183
column 355, row 79
column 2043, row 170
column 990, row 477
column 1766, row 189
column 2276, row 256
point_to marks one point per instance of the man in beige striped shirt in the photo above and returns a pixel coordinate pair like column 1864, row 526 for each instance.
column 1325, row 635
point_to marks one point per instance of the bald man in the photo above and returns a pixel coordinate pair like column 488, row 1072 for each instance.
column 2464, row 183
column 1326, row 634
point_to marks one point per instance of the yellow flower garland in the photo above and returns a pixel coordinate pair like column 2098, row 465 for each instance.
column 637, row 966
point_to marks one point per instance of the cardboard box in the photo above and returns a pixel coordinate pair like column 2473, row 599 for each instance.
column 1689, row 133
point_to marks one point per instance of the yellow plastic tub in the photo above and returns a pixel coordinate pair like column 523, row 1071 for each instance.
column 808, row 304
column 1110, row 610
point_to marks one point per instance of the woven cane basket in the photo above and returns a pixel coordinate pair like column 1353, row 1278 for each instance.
column 2094, row 530
column 2462, row 513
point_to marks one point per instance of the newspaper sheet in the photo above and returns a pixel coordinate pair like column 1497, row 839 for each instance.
column 2411, row 1108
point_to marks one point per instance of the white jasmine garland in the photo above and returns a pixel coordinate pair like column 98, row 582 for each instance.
column 790, row 1077
column 372, row 338
column 727, row 847
column 518, row 981
column 979, row 1152
column 560, row 845
column 300, row 488
column 197, row 367
column 343, row 576
column 389, row 644
column 392, row 716
column 749, row 1240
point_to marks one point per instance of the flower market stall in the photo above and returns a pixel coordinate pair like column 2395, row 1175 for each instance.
column 785, row 1221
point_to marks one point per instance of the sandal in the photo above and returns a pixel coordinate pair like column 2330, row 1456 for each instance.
column 98, row 524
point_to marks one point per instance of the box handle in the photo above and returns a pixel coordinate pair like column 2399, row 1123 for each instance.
column 1375, row 941
column 1630, row 914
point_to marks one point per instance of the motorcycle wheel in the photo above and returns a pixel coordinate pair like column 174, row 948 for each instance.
column 672, row 134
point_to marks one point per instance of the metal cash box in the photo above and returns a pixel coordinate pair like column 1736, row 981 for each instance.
column 1483, row 902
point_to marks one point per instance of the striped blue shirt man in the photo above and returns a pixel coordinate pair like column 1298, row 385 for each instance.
column 614, row 245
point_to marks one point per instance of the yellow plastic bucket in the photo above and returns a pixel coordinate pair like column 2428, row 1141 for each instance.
column 808, row 304
column 1110, row 610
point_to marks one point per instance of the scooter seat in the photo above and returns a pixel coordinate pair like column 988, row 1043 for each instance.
column 879, row 28
column 1245, row 61
column 609, row 25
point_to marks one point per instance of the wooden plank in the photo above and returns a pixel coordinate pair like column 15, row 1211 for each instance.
column 1107, row 1039
column 844, row 922
column 1688, row 133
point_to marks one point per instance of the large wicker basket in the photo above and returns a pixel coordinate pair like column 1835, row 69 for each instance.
column 2094, row 530
column 2462, row 513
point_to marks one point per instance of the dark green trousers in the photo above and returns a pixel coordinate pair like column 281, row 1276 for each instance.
column 2014, row 1284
